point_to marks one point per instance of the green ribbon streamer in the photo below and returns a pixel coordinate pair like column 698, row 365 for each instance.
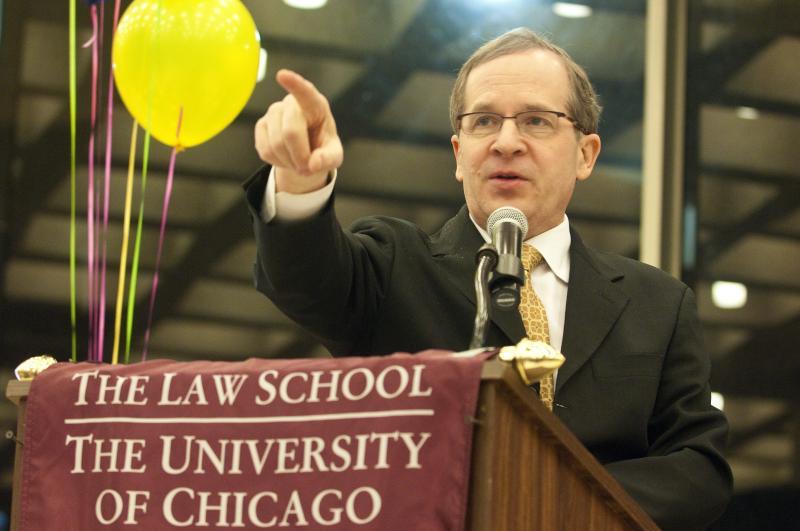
column 136, row 248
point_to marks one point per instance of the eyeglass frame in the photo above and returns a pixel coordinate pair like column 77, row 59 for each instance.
column 558, row 114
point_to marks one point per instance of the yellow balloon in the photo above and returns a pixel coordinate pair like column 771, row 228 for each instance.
column 197, row 59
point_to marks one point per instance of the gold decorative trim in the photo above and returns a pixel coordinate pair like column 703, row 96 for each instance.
column 28, row 369
column 533, row 359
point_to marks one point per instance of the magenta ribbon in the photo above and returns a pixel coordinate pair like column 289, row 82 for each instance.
column 162, row 232
column 106, row 197
column 90, row 193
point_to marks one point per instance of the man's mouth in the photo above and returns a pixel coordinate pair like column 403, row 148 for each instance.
column 505, row 176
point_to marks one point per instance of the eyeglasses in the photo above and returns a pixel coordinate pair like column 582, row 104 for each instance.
column 536, row 124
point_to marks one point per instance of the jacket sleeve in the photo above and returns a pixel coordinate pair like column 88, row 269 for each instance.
column 684, row 482
column 330, row 280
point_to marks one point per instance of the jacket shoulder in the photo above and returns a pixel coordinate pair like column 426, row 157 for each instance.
column 633, row 273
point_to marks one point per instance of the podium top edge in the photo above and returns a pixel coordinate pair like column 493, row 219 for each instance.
column 16, row 390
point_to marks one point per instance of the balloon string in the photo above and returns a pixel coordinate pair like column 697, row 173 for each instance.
column 97, row 239
column 100, row 31
column 106, row 187
column 136, row 248
column 162, row 232
column 98, row 236
column 123, row 259
column 72, row 224
column 90, row 218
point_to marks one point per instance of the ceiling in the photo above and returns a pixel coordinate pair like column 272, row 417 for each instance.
column 387, row 67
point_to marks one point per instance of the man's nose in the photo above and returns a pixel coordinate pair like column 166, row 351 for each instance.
column 508, row 140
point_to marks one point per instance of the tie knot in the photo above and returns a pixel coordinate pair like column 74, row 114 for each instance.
column 531, row 257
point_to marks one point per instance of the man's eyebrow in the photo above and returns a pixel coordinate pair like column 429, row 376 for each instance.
column 488, row 107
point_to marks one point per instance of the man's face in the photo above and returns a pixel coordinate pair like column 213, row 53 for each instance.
column 535, row 175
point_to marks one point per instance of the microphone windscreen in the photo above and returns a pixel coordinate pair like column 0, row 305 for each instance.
column 508, row 214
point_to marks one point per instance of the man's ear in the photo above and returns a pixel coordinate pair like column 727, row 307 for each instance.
column 456, row 146
column 589, row 149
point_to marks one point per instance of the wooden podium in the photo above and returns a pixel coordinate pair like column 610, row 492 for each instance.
column 529, row 472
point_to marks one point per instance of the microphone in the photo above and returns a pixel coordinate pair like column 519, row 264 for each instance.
column 507, row 227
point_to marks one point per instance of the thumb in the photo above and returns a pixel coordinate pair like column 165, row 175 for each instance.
column 327, row 157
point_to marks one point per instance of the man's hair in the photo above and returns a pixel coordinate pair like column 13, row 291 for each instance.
column 582, row 103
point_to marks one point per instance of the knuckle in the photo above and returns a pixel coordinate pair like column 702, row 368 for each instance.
column 275, row 144
column 293, row 134
column 272, row 111
column 261, row 128
column 264, row 153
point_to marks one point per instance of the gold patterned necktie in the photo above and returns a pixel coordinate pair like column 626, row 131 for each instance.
column 534, row 317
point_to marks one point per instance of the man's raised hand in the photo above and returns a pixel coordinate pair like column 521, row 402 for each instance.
column 297, row 136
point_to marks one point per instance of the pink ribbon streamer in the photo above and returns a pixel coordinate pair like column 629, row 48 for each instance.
column 106, row 197
column 164, row 210
column 90, row 193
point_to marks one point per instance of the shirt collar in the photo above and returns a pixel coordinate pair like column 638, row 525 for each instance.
column 553, row 244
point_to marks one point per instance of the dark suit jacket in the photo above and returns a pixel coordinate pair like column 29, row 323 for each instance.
column 634, row 387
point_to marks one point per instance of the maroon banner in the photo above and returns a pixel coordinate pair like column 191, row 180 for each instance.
column 354, row 443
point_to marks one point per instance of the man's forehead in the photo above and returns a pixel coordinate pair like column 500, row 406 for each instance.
column 534, row 78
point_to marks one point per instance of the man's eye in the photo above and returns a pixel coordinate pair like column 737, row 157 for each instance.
column 485, row 120
column 538, row 121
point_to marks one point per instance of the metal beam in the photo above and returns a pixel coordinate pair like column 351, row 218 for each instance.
column 300, row 347
column 118, row 219
column 213, row 241
column 761, row 104
column 768, row 425
column 433, row 27
column 43, row 327
column 39, row 173
column 782, row 204
column 709, row 75
column 780, row 17
column 765, row 365
column 719, row 171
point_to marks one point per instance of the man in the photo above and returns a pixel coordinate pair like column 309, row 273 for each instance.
column 634, row 387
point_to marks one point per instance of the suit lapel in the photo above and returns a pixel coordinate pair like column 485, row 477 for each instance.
column 454, row 248
column 594, row 303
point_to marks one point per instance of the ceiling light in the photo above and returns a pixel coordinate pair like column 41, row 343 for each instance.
column 570, row 10
column 305, row 4
column 747, row 113
column 728, row 295
column 718, row 401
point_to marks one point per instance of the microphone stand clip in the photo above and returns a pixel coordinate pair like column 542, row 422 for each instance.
column 486, row 257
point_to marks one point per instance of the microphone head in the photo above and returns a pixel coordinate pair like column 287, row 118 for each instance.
column 508, row 214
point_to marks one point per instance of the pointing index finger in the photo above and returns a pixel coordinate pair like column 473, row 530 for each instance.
column 311, row 101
